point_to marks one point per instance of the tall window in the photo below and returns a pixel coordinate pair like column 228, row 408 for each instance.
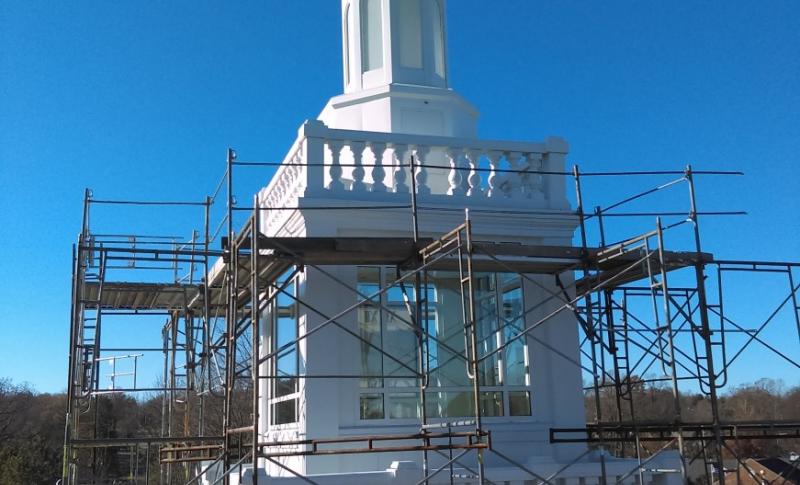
column 504, row 375
column 389, row 388
column 371, row 35
column 438, row 38
column 282, row 316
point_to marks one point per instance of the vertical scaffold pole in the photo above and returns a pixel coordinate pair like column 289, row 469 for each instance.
column 164, row 396
column 421, row 336
column 255, row 293
column 69, row 472
column 587, row 298
column 230, row 321
column 676, row 396
column 68, row 424
column 205, row 355
column 705, row 328
column 473, row 329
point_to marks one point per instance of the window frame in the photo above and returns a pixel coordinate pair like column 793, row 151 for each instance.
column 273, row 400
column 364, row 28
column 432, row 316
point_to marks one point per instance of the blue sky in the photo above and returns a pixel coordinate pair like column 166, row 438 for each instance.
column 141, row 99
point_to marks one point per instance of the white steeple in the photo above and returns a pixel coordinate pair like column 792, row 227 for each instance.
column 393, row 41
column 395, row 71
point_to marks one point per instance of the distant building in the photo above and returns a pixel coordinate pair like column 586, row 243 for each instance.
column 762, row 471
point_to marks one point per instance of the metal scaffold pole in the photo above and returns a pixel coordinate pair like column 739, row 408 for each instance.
column 422, row 355
column 705, row 330
column 231, row 316
column 255, row 306
column 597, row 284
column 472, row 328
column 663, row 286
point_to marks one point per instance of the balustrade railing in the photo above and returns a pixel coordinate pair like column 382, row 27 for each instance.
column 361, row 165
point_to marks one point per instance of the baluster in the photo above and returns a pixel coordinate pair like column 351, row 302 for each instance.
column 378, row 173
column 534, row 180
column 454, row 177
column 335, row 170
column 474, row 178
column 512, row 186
column 421, row 175
column 357, row 147
column 298, row 166
column 400, row 172
column 281, row 188
column 494, row 158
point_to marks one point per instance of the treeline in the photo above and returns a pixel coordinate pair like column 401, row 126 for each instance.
column 32, row 425
column 764, row 400
column 32, row 429
column 31, row 434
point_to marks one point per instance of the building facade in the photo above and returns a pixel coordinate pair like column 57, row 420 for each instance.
column 353, row 161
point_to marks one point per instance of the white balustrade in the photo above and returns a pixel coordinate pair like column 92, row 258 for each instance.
column 378, row 173
column 474, row 178
column 492, row 182
column 400, row 173
column 335, row 170
column 454, row 177
column 357, row 148
column 341, row 164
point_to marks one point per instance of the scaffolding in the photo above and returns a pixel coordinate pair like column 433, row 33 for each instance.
column 211, row 332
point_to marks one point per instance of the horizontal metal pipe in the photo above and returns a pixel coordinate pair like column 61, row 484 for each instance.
column 153, row 440
column 386, row 449
column 378, row 437
column 145, row 202
column 496, row 170
column 357, row 207
column 189, row 448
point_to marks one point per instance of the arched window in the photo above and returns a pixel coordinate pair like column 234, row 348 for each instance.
column 346, row 29
column 438, row 38
column 371, row 35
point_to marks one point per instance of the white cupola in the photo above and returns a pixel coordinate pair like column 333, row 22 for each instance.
column 395, row 71
column 393, row 41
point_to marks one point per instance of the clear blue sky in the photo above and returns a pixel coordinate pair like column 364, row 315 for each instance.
column 140, row 100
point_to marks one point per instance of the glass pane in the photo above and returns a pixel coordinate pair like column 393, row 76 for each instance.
column 285, row 300
column 410, row 33
column 286, row 383
column 371, row 406
column 266, row 326
column 516, row 361
column 400, row 340
column 487, row 328
column 284, row 412
column 405, row 405
column 438, row 38
column 461, row 405
column 449, row 404
column 447, row 363
column 519, row 403
column 287, row 329
column 371, row 35
column 491, row 404
column 285, row 363
column 369, row 328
